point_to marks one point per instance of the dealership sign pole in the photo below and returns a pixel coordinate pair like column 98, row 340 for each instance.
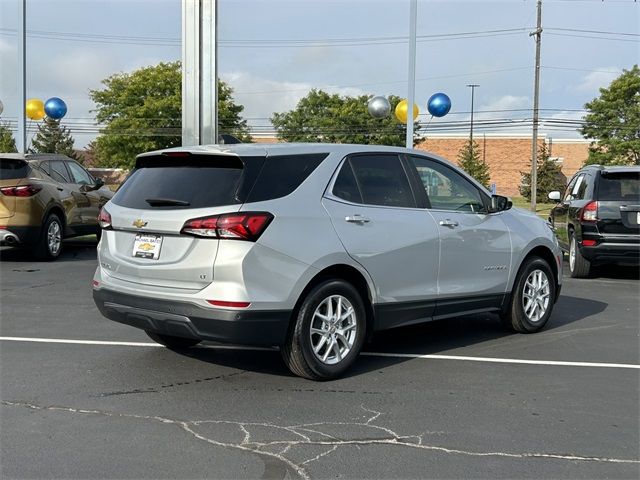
column 21, row 74
column 199, row 72
column 413, row 14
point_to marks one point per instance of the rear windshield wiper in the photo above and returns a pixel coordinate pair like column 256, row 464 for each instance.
column 166, row 202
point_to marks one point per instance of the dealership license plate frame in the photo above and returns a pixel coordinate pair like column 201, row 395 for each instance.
column 147, row 246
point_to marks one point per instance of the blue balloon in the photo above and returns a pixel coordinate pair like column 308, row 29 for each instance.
column 55, row 108
column 439, row 104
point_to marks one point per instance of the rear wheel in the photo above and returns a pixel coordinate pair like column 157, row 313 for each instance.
column 174, row 343
column 579, row 267
column 328, row 332
column 532, row 298
column 49, row 244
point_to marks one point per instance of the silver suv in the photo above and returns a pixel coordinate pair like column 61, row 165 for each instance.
column 313, row 248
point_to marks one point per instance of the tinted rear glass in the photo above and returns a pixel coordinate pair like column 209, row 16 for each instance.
column 11, row 169
column 196, row 182
column 624, row 187
column 200, row 181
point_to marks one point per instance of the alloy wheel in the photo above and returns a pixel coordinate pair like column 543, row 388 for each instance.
column 536, row 296
column 333, row 329
column 54, row 237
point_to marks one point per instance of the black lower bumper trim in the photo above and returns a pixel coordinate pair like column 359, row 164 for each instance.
column 182, row 319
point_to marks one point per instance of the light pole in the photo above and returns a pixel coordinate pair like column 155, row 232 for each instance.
column 473, row 87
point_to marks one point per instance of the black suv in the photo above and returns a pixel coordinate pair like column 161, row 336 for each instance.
column 598, row 219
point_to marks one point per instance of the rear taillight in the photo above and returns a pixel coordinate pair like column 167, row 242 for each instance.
column 590, row 212
column 21, row 191
column 230, row 226
column 104, row 219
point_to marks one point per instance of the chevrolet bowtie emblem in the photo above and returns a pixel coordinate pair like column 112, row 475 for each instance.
column 139, row 223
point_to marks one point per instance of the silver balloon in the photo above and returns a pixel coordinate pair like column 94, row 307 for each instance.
column 1, row 107
column 379, row 107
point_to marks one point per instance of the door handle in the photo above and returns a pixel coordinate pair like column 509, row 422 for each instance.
column 448, row 223
column 357, row 219
column 60, row 189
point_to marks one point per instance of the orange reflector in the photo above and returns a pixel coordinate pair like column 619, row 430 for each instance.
column 223, row 303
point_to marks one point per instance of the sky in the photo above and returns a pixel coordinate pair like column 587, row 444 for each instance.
column 273, row 51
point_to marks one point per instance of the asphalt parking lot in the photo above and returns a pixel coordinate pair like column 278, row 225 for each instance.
column 83, row 397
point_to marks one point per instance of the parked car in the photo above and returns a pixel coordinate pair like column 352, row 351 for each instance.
column 45, row 198
column 312, row 248
column 597, row 220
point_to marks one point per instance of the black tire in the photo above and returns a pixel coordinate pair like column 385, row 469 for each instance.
column 515, row 318
column 579, row 267
column 297, row 351
column 43, row 250
column 171, row 342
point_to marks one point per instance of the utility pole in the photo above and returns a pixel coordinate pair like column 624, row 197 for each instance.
column 536, row 97
column 473, row 91
column 413, row 15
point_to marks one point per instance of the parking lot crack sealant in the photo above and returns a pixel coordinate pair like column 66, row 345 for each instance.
column 302, row 435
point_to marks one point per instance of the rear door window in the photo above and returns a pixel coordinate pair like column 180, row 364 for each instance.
column 12, row 169
column 59, row 172
column 382, row 180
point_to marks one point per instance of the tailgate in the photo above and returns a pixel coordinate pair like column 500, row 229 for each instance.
column 619, row 202
column 12, row 171
column 150, row 209
column 172, row 260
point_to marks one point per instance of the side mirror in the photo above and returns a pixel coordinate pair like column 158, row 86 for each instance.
column 500, row 203
column 555, row 196
column 99, row 183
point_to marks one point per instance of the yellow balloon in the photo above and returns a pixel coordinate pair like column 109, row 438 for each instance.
column 401, row 111
column 35, row 109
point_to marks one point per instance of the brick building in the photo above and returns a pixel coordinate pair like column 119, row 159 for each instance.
column 506, row 156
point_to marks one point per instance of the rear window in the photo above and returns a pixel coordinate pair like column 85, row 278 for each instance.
column 11, row 169
column 623, row 186
column 200, row 181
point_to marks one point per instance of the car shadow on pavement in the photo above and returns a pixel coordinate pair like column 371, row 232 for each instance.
column 72, row 250
column 616, row 272
column 436, row 337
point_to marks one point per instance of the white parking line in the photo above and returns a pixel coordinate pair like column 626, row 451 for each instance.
column 368, row 354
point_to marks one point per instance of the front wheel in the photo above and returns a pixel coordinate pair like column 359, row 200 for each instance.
column 327, row 333
column 532, row 298
column 171, row 342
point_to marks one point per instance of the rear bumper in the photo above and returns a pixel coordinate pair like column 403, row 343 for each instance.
column 182, row 319
column 14, row 236
column 608, row 252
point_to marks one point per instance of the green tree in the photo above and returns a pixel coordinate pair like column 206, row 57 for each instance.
column 142, row 111
column 7, row 142
column 470, row 161
column 613, row 122
column 333, row 118
column 549, row 177
column 52, row 137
